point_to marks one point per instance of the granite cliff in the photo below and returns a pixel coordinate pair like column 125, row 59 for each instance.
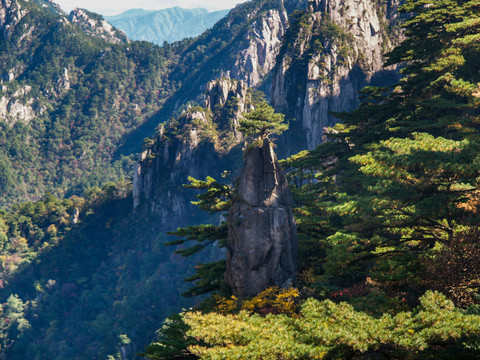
column 329, row 54
column 261, row 229
column 201, row 142
column 310, row 62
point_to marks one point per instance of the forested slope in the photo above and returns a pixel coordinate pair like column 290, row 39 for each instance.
column 386, row 209
column 66, row 100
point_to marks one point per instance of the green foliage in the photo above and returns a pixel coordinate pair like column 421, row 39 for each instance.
column 399, row 177
column 386, row 209
column 172, row 342
column 12, row 321
column 216, row 199
column 102, row 280
column 263, row 121
column 85, row 94
column 325, row 330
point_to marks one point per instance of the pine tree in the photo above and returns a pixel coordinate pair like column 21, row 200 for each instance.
column 216, row 199
column 405, row 164
column 263, row 121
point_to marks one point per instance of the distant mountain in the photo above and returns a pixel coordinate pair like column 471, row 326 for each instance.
column 170, row 25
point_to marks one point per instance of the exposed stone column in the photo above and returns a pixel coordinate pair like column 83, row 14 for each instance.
column 261, row 228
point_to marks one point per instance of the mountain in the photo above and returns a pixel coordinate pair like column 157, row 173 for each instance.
column 71, row 87
column 77, row 99
column 169, row 25
column 88, row 276
column 94, row 25
column 308, row 62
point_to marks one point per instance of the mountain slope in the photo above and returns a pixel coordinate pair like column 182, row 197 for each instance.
column 242, row 46
column 310, row 61
column 169, row 25
column 66, row 99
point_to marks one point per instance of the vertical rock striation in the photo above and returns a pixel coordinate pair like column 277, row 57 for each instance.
column 258, row 52
column 328, row 55
column 261, row 228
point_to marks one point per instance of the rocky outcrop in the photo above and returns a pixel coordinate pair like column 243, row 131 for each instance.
column 228, row 100
column 17, row 107
column 242, row 46
column 11, row 13
column 219, row 91
column 257, row 54
column 94, row 25
column 332, row 52
column 261, row 229
column 180, row 150
column 196, row 144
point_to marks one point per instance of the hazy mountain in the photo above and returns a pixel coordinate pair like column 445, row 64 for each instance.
column 170, row 25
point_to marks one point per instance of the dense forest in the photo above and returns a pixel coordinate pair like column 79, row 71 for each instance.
column 386, row 207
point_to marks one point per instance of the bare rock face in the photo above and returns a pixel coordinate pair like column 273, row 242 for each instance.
column 320, row 74
column 259, row 50
column 196, row 144
column 17, row 106
column 95, row 25
column 262, row 231
column 166, row 165
column 219, row 91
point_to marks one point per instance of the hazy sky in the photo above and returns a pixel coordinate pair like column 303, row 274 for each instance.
column 110, row 7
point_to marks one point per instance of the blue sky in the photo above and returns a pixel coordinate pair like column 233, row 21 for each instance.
column 111, row 7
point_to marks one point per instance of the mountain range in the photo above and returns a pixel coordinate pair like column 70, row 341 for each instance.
column 157, row 26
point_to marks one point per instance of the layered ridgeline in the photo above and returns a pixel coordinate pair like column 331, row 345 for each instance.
column 76, row 96
column 169, row 25
column 74, row 89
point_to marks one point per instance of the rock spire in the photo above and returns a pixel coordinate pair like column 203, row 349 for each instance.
column 262, row 231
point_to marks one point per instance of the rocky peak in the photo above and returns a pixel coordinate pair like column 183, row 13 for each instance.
column 227, row 99
column 333, row 50
column 261, row 229
column 195, row 144
column 11, row 13
column 261, row 45
column 51, row 6
column 366, row 21
column 219, row 91
column 94, row 25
